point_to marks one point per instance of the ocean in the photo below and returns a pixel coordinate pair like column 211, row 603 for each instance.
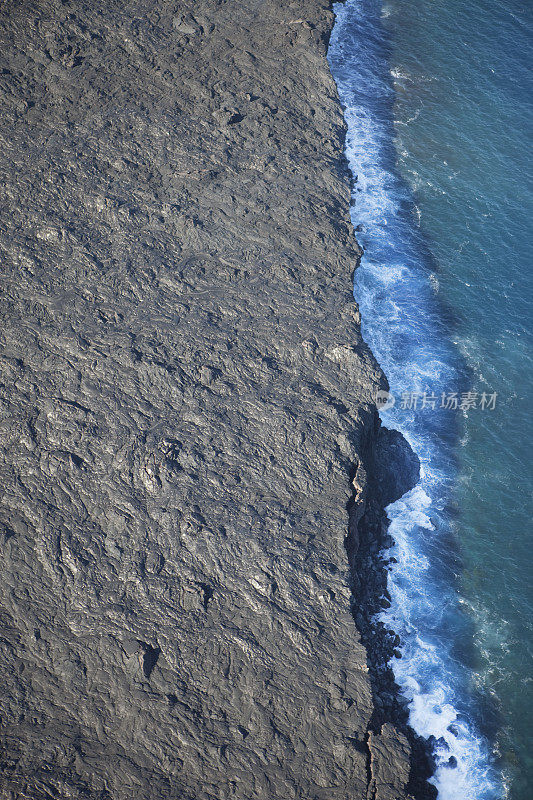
column 437, row 97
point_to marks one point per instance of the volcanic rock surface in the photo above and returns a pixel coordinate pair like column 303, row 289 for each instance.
column 186, row 409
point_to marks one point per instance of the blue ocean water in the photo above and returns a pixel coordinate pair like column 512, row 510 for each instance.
column 437, row 98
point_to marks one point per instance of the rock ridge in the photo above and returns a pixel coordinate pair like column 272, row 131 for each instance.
column 187, row 410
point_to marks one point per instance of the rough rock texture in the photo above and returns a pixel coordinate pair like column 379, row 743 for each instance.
column 389, row 774
column 187, row 409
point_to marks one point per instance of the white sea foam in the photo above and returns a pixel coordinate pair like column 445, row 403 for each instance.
column 396, row 294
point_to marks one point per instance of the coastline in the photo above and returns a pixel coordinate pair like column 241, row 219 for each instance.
column 189, row 412
column 391, row 83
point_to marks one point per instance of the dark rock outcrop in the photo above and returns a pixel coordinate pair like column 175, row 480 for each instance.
column 185, row 397
column 395, row 468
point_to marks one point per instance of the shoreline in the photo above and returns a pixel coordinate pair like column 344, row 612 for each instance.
column 395, row 471
column 396, row 294
column 366, row 546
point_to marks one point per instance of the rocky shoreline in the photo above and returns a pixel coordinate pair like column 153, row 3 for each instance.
column 190, row 445
column 393, row 470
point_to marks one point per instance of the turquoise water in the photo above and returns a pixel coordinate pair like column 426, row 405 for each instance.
column 437, row 97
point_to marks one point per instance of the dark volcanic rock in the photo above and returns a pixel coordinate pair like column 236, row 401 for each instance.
column 185, row 396
column 396, row 468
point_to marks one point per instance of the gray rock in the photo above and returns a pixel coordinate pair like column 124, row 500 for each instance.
column 396, row 467
column 185, row 393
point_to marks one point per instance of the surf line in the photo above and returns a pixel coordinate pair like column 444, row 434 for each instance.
column 405, row 328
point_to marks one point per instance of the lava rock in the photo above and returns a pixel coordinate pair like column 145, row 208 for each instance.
column 185, row 392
